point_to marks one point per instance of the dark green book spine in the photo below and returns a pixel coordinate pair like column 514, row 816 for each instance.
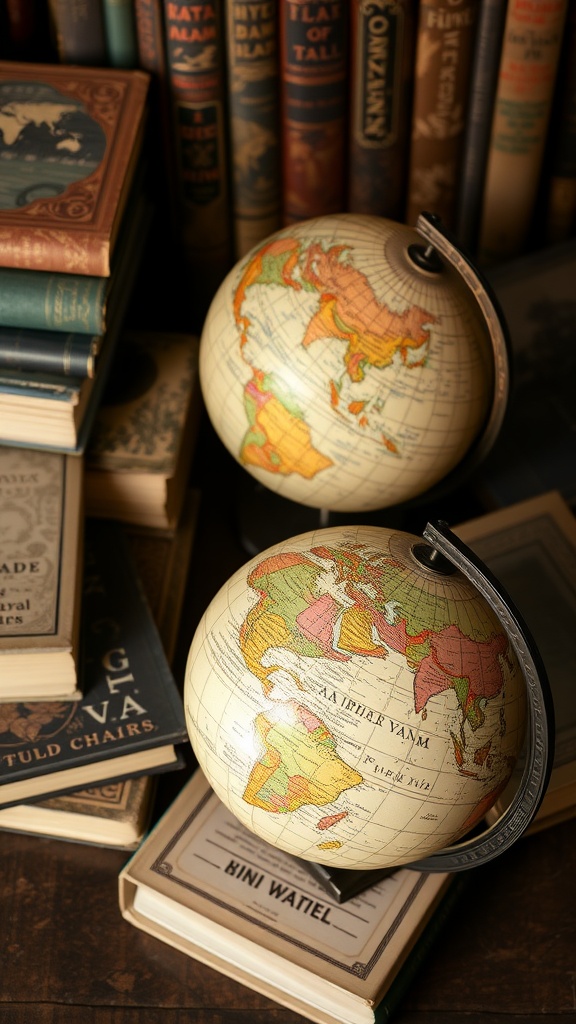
column 120, row 33
column 39, row 300
column 51, row 352
column 254, row 119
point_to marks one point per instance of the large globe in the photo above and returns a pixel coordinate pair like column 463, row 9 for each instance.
column 349, row 703
column 340, row 372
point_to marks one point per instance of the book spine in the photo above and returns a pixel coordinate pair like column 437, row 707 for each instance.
column 197, row 85
column 381, row 62
column 444, row 45
column 313, row 62
column 52, row 302
column 149, row 21
column 560, row 207
column 527, row 75
column 484, row 80
column 253, row 111
column 27, row 31
column 66, row 355
column 79, row 30
column 120, row 33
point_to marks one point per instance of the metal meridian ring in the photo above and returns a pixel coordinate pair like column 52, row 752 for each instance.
column 540, row 755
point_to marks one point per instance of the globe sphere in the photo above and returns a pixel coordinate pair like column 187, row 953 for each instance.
column 341, row 374
column 350, row 704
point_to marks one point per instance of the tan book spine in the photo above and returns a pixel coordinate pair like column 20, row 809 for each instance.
column 443, row 61
column 528, row 70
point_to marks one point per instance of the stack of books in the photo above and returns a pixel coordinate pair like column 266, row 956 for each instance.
column 90, row 593
column 73, row 219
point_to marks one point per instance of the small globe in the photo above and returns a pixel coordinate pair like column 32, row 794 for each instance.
column 342, row 374
column 349, row 703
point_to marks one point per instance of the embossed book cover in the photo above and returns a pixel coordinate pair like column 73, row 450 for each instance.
column 41, row 531
column 70, row 141
column 142, row 442
column 130, row 719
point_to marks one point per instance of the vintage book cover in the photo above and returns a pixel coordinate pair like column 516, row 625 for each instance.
column 70, row 144
column 202, row 883
column 195, row 50
column 528, row 68
column 118, row 813
column 143, row 439
column 78, row 26
column 483, row 83
column 52, row 412
column 254, row 121
column 52, row 352
column 41, row 531
column 382, row 34
column 444, row 45
column 314, row 68
column 531, row 548
column 535, row 449
column 130, row 719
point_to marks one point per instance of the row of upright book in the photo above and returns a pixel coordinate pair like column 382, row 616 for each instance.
column 273, row 113
column 97, row 431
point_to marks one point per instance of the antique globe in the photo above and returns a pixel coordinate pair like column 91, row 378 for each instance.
column 351, row 363
column 358, row 697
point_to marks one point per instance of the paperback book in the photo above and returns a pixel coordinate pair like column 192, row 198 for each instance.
column 202, row 883
column 70, row 143
column 41, row 533
column 130, row 720
column 143, row 440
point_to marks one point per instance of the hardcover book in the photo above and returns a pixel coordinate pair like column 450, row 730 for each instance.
column 70, row 142
column 142, row 443
column 531, row 548
column 41, row 532
column 445, row 36
column 55, row 412
column 130, row 720
column 118, row 814
column 115, row 815
column 202, row 883
column 314, row 72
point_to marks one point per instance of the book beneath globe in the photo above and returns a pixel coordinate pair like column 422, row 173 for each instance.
column 143, row 438
column 70, row 143
column 531, row 547
column 202, row 883
column 41, row 535
column 130, row 720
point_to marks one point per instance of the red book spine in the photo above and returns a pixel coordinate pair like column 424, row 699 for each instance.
column 314, row 100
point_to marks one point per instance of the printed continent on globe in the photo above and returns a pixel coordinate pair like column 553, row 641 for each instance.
column 338, row 373
column 348, row 704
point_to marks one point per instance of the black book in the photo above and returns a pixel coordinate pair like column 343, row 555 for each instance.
column 130, row 720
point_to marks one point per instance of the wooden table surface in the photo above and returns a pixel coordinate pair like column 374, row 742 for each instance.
column 507, row 953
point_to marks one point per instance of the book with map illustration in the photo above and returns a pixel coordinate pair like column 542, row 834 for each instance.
column 70, row 143
column 204, row 884
column 531, row 547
